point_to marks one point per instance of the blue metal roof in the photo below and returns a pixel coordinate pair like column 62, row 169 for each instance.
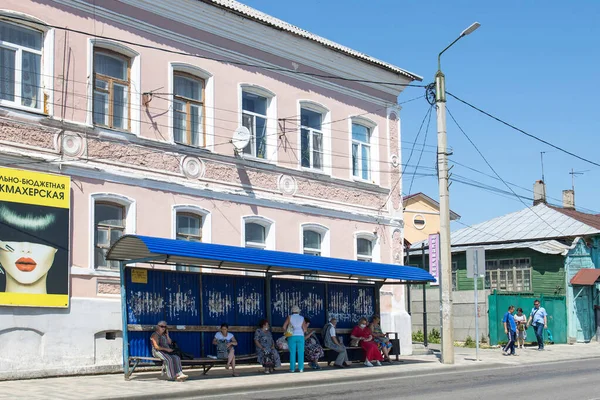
column 134, row 248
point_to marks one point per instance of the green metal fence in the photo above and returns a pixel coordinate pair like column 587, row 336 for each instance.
column 555, row 307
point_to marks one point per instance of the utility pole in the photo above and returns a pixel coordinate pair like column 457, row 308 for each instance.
column 445, row 253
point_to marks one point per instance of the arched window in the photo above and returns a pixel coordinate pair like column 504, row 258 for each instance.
column 364, row 149
column 258, row 233
column 192, row 114
column 21, row 72
column 113, row 216
column 367, row 247
column 315, row 240
column 114, row 98
column 259, row 116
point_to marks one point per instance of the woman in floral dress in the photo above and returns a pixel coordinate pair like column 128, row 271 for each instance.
column 268, row 356
column 312, row 348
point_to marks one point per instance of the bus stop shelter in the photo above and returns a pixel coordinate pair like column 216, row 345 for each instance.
column 239, row 286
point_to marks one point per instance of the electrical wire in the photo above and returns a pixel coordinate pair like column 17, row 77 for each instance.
column 421, row 153
column 498, row 175
column 525, row 133
column 428, row 113
column 232, row 62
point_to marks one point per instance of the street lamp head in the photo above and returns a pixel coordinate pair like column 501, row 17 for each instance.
column 470, row 29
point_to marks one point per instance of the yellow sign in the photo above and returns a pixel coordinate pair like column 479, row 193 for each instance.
column 139, row 276
column 34, row 239
column 30, row 187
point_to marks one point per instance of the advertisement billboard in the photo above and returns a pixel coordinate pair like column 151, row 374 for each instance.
column 434, row 261
column 34, row 239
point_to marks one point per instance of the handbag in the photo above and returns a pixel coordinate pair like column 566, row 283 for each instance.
column 289, row 331
column 354, row 343
column 268, row 359
column 222, row 350
column 282, row 343
column 178, row 352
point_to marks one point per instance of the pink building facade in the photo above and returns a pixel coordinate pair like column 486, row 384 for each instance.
column 137, row 102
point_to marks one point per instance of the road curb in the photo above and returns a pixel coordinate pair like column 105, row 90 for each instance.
column 196, row 392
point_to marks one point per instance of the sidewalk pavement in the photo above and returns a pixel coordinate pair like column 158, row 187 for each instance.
column 147, row 385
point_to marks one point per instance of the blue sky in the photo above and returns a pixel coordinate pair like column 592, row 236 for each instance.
column 533, row 64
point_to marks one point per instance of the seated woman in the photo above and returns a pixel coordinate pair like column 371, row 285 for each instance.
column 362, row 334
column 380, row 338
column 332, row 342
column 312, row 348
column 161, row 348
column 225, row 342
column 268, row 356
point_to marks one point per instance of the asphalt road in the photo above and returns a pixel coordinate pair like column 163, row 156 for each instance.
column 572, row 380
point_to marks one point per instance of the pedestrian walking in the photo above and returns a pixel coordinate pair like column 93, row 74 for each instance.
column 521, row 320
column 538, row 319
column 510, row 328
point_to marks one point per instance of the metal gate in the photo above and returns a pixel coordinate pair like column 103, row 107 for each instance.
column 556, row 307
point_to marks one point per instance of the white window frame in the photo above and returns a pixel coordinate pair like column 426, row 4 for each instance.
column 47, row 62
column 325, row 237
column 375, row 253
column 271, row 117
column 209, row 100
column 206, row 216
column 325, row 132
column 129, row 206
column 374, row 165
column 135, row 99
column 269, row 226
column 496, row 271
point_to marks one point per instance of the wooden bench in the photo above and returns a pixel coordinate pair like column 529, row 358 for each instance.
column 205, row 362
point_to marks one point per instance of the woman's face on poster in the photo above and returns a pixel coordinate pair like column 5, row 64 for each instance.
column 29, row 262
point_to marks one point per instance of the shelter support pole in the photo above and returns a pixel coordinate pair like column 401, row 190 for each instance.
column 408, row 300
column 268, row 296
column 425, row 341
column 124, row 321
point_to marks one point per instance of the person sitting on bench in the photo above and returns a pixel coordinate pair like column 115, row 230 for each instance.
column 332, row 342
column 225, row 342
column 361, row 336
column 161, row 348
column 380, row 338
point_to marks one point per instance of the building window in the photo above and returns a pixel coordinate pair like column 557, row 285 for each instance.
column 312, row 243
column 361, row 151
column 111, row 90
column 509, row 275
column 254, row 117
column 188, row 110
column 364, row 250
column 311, row 139
column 189, row 227
column 419, row 221
column 255, row 235
column 20, row 65
column 109, row 222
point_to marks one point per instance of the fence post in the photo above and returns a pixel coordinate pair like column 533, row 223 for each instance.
column 493, row 317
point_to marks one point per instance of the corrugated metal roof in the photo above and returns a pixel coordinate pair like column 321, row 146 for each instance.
column 537, row 222
column 543, row 246
column 251, row 13
column 173, row 252
column 586, row 277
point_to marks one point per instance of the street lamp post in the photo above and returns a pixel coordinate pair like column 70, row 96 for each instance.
column 444, row 253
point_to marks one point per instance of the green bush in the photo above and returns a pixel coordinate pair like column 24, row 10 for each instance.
column 435, row 336
column 418, row 336
column 469, row 342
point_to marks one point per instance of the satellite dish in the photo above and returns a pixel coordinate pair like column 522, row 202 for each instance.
column 241, row 138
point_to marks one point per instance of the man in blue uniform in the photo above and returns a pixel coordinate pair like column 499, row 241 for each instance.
column 510, row 328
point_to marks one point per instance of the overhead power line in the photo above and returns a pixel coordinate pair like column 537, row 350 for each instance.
column 232, row 62
column 498, row 175
column 525, row 133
